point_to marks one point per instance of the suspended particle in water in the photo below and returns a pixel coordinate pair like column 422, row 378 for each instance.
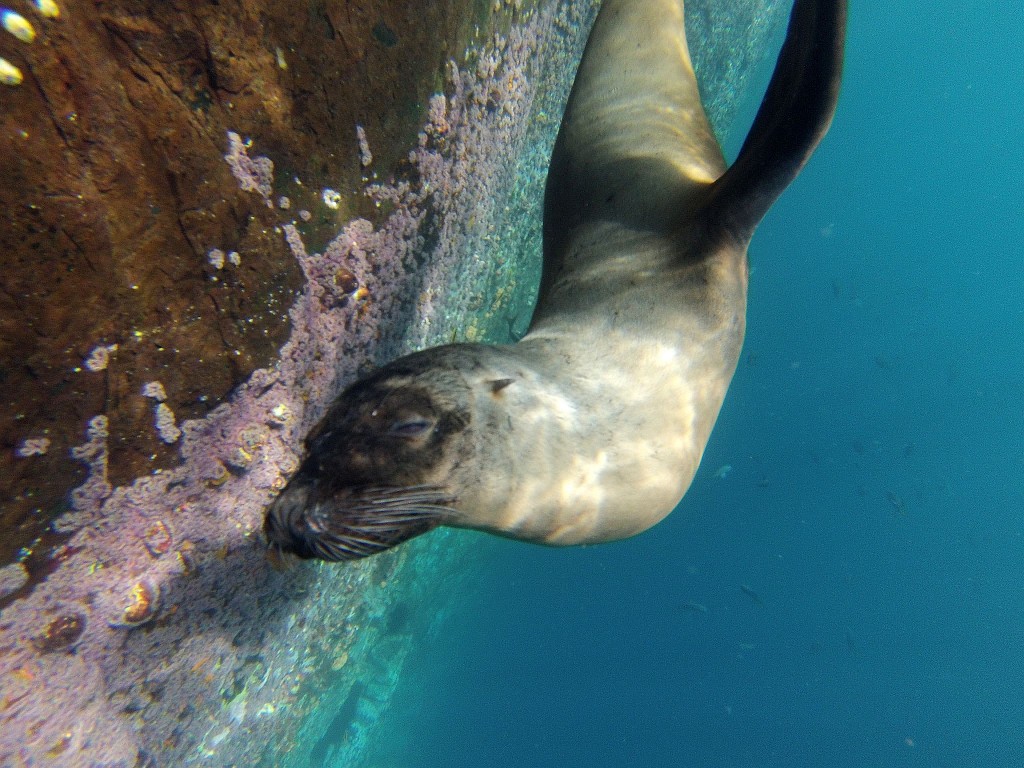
column 18, row 26
column 10, row 74
column 47, row 8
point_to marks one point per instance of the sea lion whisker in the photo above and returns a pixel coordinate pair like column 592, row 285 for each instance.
column 392, row 509
column 352, row 542
column 351, row 547
column 386, row 497
column 403, row 514
column 324, row 549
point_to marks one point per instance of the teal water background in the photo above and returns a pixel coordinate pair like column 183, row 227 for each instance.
column 855, row 532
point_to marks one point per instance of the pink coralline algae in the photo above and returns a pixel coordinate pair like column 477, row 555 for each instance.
column 254, row 174
column 155, row 390
column 99, row 358
column 365, row 156
column 166, row 427
column 87, row 498
column 162, row 635
column 215, row 258
column 33, row 446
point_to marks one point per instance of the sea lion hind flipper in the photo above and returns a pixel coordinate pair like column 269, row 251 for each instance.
column 795, row 113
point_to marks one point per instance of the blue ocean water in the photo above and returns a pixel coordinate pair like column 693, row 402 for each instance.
column 842, row 586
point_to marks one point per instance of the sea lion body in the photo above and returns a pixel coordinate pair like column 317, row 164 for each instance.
column 592, row 426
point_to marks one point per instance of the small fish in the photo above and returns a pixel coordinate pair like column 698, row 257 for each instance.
column 723, row 471
column 749, row 592
column 897, row 502
column 851, row 644
column 693, row 607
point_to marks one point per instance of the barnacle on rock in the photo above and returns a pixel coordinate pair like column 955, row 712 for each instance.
column 216, row 475
column 253, row 437
column 280, row 415
column 143, row 602
column 62, row 633
column 157, row 538
column 345, row 281
column 239, row 459
column 187, row 557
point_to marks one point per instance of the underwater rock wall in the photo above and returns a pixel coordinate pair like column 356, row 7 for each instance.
column 152, row 629
column 117, row 199
column 212, row 229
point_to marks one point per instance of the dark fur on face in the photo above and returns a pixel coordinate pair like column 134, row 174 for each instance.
column 373, row 474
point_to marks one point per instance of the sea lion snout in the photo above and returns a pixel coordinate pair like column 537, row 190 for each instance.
column 353, row 523
column 286, row 525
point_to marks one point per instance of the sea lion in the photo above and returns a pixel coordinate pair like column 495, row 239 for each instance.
column 591, row 427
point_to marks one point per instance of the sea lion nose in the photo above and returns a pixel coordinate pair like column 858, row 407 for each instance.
column 285, row 525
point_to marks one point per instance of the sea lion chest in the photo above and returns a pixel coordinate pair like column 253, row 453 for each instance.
column 615, row 391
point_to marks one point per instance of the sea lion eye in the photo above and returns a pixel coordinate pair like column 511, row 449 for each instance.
column 414, row 426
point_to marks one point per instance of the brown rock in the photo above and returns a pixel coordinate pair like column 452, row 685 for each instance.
column 114, row 188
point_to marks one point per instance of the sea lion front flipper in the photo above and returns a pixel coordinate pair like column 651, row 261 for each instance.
column 795, row 114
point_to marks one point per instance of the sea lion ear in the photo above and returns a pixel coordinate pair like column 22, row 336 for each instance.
column 496, row 385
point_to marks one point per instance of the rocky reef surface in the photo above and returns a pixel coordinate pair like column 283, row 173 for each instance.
column 216, row 216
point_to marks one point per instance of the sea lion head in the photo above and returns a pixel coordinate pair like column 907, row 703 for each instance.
column 378, row 465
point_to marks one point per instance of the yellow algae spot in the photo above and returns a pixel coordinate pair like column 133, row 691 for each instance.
column 24, row 674
column 186, row 557
column 47, row 8
column 60, row 746
column 10, row 74
column 240, row 458
column 18, row 26
column 340, row 661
